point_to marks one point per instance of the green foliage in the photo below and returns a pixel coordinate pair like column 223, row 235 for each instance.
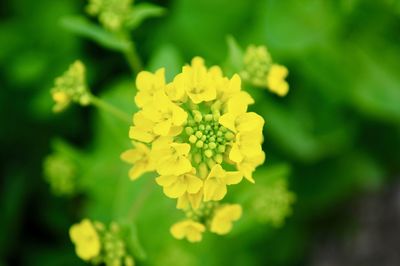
column 337, row 131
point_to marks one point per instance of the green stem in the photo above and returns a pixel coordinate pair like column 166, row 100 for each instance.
column 140, row 199
column 110, row 108
column 133, row 59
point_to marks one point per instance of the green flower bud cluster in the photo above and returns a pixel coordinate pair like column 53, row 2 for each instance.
column 60, row 172
column 202, row 213
column 257, row 62
column 207, row 137
column 112, row 14
column 113, row 246
column 71, row 87
column 273, row 204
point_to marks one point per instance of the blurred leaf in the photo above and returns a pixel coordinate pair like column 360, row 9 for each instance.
column 85, row 28
column 234, row 62
column 142, row 12
column 377, row 90
column 166, row 56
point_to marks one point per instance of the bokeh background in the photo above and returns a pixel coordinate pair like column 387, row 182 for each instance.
column 335, row 137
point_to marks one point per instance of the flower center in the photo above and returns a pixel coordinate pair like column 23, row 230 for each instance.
column 207, row 137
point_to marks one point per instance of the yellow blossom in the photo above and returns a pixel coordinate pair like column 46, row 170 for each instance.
column 216, row 182
column 175, row 186
column 223, row 218
column 197, row 125
column 140, row 158
column 148, row 84
column 188, row 229
column 276, row 79
column 188, row 200
column 166, row 116
column 171, row 158
column 196, row 81
column 86, row 240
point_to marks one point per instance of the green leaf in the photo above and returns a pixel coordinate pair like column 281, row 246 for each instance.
column 83, row 27
column 234, row 62
column 141, row 12
column 166, row 56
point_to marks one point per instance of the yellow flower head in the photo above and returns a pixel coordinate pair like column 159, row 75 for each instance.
column 216, row 182
column 188, row 229
column 276, row 79
column 176, row 186
column 223, row 218
column 260, row 70
column 86, row 239
column 139, row 156
column 70, row 87
column 111, row 13
column 200, row 135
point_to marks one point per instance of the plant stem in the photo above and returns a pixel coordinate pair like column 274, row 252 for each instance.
column 110, row 108
column 133, row 59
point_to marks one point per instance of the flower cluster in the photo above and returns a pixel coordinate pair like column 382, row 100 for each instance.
column 70, row 87
column 197, row 134
column 111, row 13
column 98, row 244
column 261, row 71
column 272, row 204
column 218, row 218
column 60, row 172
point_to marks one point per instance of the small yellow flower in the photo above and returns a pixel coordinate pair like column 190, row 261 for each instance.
column 248, row 165
column 86, row 240
column 188, row 229
column 196, row 81
column 148, row 84
column 192, row 201
column 142, row 129
column 224, row 216
column 276, row 79
column 171, row 157
column 216, row 182
column 166, row 116
column 176, row 186
column 140, row 158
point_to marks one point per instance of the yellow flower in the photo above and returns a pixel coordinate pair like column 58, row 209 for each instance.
column 188, row 229
column 148, row 84
column 216, row 182
column 142, row 129
column 140, row 158
column 86, row 240
column 248, row 165
column 175, row 186
column 197, row 125
column 171, row 157
column 196, row 81
column 187, row 200
column 223, row 218
column 166, row 116
column 276, row 80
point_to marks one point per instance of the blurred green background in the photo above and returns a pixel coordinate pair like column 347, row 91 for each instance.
column 334, row 138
